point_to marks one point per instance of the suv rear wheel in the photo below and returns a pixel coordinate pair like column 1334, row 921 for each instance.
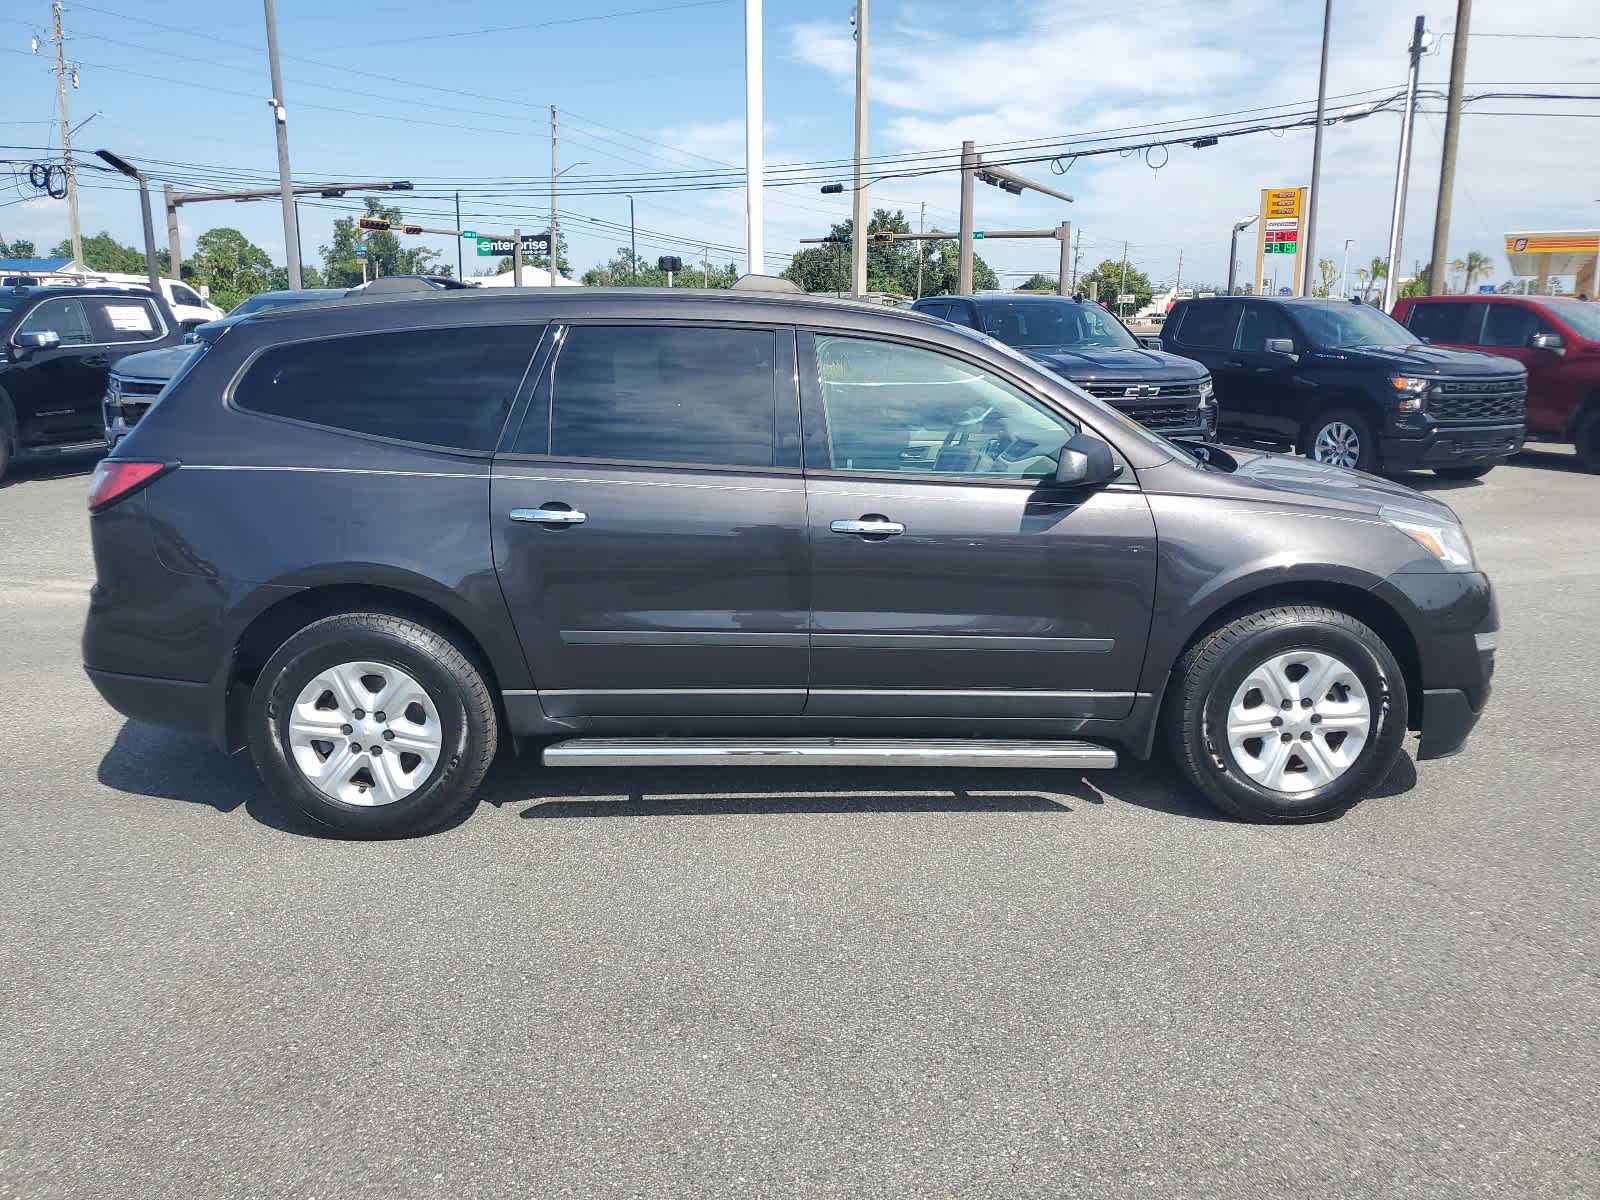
column 1587, row 440
column 372, row 725
column 1288, row 714
column 1341, row 437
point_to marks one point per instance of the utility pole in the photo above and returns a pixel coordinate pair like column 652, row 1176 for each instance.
column 66, row 135
column 174, row 243
column 1123, row 286
column 633, row 246
column 705, row 266
column 1064, row 233
column 1308, row 259
column 1178, row 285
column 858, row 223
column 552, row 195
column 754, row 159
column 461, row 268
column 1402, row 170
column 1437, row 277
column 1077, row 257
column 969, row 171
column 1344, row 271
column 922, row 222
column 280, row 117
column 516, row 258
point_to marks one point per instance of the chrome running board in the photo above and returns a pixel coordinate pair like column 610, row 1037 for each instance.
column 824, row 752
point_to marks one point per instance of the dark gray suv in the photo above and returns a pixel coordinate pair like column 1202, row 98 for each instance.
column 663, row 528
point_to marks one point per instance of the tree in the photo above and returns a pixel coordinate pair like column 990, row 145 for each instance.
column 891, row 265
column 21, row 248
column 1417, row 285
column 1038, row 283
column 1111, row 282
column 625, row 271
column 1472, row 266
column 1328, row 270
column 102, row 252
column 1369, row 276
column 384, row 252
column 310, row 277
column 233, row 266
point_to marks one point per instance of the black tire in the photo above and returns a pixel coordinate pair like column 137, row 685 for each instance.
column 1587, row 440
column 1477, row 472
column 1211, row 671
column 453, row 685
column 1366, row 441
column 7, row 436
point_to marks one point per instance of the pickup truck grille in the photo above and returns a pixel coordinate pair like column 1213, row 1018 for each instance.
column 1160, row 407
column 131, row 398
column 1480, row 400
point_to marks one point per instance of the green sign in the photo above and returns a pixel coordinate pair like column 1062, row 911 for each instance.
column 485, row 246
column 976, row 234
column 468, row 234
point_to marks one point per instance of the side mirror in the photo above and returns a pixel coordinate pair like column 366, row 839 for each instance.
column 1283, row 346
column 1086, row 461
column 44, row 339
column 1547, row 341
column 1150, row 343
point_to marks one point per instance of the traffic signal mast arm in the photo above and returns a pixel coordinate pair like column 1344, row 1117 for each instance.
column 987, row 235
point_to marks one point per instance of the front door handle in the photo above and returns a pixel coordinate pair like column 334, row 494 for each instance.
column 871, row 525
column 549, row 516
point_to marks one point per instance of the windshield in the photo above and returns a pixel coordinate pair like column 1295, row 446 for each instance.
column 1582, row 315
column 1054, row 325
column 1338, row 325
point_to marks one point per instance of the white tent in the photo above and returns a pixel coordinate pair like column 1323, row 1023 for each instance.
column 531, row 277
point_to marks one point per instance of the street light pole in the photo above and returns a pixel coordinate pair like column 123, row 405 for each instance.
column 280, row 116
column 1402, row 170
column 633, row 246
column 1344, row 272
column 552, row 195
column 128, row 169
column 858, row 219
column 1239, row 227
column 1308, row 261
column 754, row 160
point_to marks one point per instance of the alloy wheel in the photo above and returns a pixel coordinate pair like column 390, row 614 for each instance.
column 1337, row 444
column 365, row 733
column 1298, row 721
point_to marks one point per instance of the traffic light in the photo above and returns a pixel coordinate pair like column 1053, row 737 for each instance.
column 883, row 237
column 411, row 230
column 375, row 224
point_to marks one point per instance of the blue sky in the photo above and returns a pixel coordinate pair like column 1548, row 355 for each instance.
column 458, row 95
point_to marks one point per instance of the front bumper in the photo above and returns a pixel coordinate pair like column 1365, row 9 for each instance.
column 1454, row 623
column 1451, row 445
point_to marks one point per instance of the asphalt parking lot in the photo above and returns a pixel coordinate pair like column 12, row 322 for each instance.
column 730, row 983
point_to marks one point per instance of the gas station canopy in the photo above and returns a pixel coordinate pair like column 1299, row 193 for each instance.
column 1547, row 252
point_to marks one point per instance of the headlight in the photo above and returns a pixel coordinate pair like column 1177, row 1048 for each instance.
column 1446, row 541
column 1410, row 389
column 1207, row 390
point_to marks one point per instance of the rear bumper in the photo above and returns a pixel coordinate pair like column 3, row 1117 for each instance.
column 1452, row 446
column 169, row 703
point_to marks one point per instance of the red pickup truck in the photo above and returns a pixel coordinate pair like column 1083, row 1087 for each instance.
column 1556, row 338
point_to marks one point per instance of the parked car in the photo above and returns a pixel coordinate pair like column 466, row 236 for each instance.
column 137, row 380
column 1556, row 338
column 1085, row 344
column 374, row 542
column 57, row 347
column 1348, row 385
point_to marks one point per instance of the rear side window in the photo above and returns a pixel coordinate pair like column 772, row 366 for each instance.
column 125, row 320
column 961, row 314
column 441, row 387
column 700, row 396
column 1443, row 321
column 183, row 295
column 1209, row 325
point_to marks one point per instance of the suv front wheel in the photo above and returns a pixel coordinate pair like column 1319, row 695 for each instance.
column 372, row 725
column 1288, row 714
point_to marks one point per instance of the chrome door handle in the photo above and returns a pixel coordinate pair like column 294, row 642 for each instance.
column 549, row 516
column 873, row 526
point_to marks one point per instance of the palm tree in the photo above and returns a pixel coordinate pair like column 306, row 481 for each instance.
column 1375, row 271
column 1474, row 265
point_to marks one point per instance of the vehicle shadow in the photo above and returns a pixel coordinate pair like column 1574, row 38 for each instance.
column 1543, row 459
column 38, row 470
column 164, row 765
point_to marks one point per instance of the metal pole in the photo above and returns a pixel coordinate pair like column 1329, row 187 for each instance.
column 1344, row 271
column 1077, row 254
column 1437, row 278
column 553, row 242
column 1402, row 170
column 66, row 137
column 174, row 243
column 922, row 221
column 754, row 160
column 858, row 221
column 705, row 266
column 461, row 268
column 149, row 238
column 969, row 168
column 516, row 258
column 1065, row 234
column 1233, row 249
column 280, row 119
column 1308, row 259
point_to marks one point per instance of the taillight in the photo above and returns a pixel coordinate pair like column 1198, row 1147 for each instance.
column 117, row 478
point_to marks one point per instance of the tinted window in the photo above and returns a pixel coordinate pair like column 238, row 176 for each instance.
column 1446, row 322
column 1262, row 322
column 65, row 316
column 670, row 395
column 125, row 320
column 940, row 309
column 442, row 387
column 1511, row 325
column 1209, row 325
column 901, row 408
column 961, row 314
column 183, row 295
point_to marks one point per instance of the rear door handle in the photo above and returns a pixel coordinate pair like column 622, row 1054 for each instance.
column 549, row 516
column 871, row 525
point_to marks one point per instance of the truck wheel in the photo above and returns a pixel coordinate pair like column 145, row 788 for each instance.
column 1341, row 437
column 1588, row 441
column 372, row 725
column 1288, row 714
column 1477, row 472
